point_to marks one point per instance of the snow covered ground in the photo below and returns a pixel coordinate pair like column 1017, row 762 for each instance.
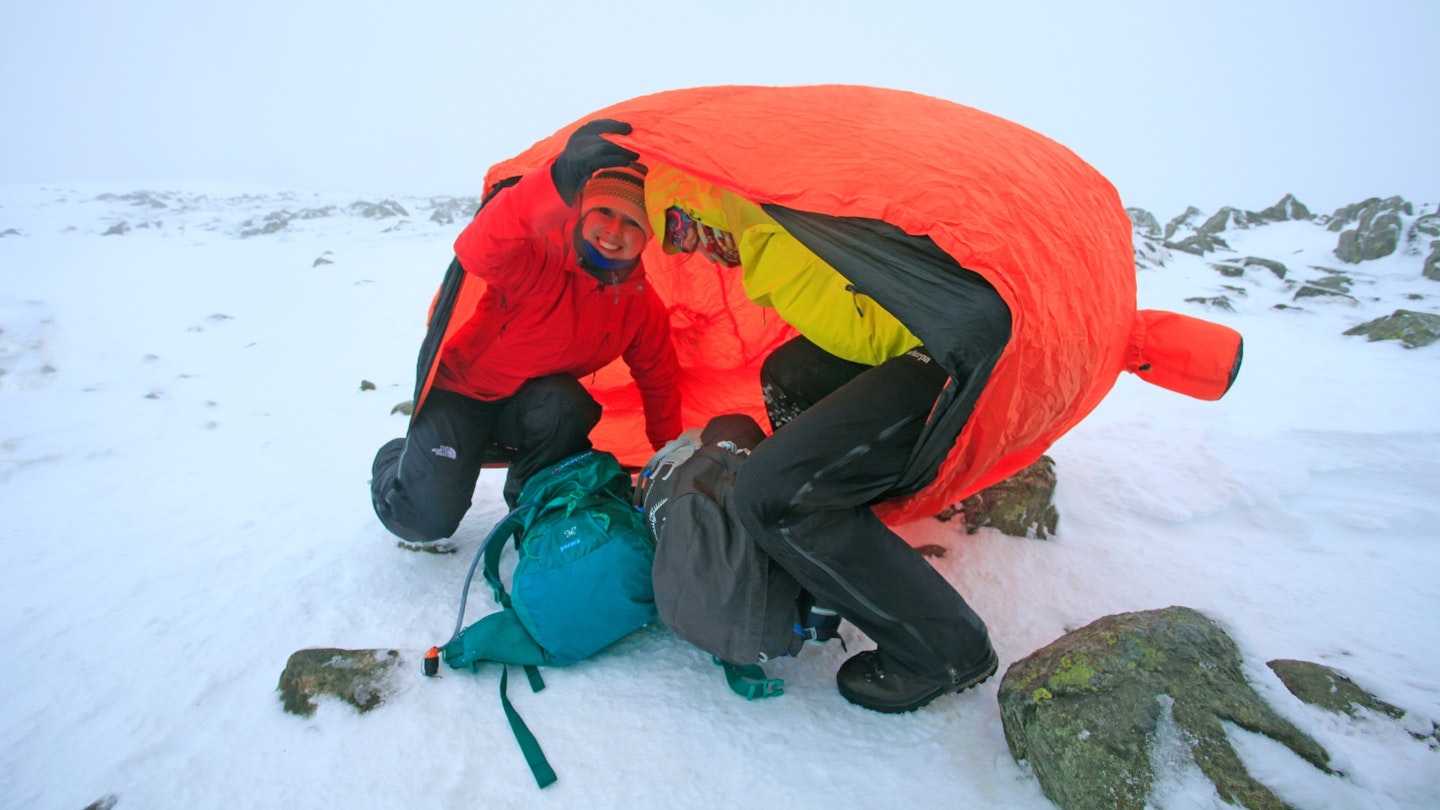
column 184, row 453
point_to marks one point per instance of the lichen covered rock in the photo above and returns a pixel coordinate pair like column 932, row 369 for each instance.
column 1413, row 329
column 359, row 677
column 1022, row 505
column 1084, row 711
column 1326, row 688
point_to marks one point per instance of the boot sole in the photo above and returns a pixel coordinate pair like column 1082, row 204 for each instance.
column 925, row 699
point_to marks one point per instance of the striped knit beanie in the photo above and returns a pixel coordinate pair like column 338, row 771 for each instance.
column 621, row 189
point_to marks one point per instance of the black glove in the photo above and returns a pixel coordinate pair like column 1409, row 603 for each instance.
column 587, row 153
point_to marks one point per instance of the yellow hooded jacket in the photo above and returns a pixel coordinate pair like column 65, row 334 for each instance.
column 780, row 273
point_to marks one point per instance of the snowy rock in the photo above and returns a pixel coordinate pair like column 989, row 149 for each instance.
column 358, row 677
column 1413, row 329
column 381, row 210
column 1333, row 284
column 1085, row 712
column 1185, row 220
column 1220, row 302
column 1431, row 269
column 1022, row 505
column 1273, row 266
column 274, row 222
column 1150, row 248
column 1199, row 244
column 1377, row 229
column 144, row 199
column 1144, row 222
column 1150, row 253
column 1225, row 218
column 449, row 210
column 1424, row 227
column 1321, row 686
column 1287, row 209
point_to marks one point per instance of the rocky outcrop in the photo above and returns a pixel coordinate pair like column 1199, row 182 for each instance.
column 1150, row 248
column 377, row 210
column 1089, row 711
column 450, row 210
column 1287, row 209
column 1378, row 225
column 1220, row 302
column 1226, row 218
column 1199, row 244
column 1431, row 269
column 1424, row 228
column 1144, row 222
column 1273, row 266
column 1236, row 269
column 1185, row 220
column 1206, row 236
column 1334, row 286
column 1412, row 329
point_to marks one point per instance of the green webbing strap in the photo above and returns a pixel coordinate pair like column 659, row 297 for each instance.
column 532, row 672
column 529, row 746
column 749, row 681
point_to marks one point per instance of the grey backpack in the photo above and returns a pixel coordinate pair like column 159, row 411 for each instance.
column 714, row 586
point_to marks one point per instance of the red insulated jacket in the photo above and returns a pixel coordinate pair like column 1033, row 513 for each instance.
column 542, row 313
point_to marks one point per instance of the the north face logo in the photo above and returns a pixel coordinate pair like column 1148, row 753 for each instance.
column 444, row 451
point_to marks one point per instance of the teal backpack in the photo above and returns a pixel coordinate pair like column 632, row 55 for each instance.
column 582, row 581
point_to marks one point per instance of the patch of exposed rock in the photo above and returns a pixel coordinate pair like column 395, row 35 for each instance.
column 1087, row 711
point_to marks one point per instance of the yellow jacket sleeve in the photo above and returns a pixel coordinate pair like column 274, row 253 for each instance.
column 781, row 273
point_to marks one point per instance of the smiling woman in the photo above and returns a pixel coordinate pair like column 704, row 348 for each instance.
column 613, row 224
column 552, row 260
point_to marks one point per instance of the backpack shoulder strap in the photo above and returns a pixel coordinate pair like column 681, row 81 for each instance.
column 460, row 654
column 491, row 550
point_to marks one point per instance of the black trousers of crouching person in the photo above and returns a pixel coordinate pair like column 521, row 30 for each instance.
column 422, row 485
column 804, row 494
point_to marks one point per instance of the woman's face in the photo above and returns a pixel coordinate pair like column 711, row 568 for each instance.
column 617, row 237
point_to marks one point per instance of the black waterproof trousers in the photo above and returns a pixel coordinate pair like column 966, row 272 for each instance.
column 845, row 434
column 422, row 485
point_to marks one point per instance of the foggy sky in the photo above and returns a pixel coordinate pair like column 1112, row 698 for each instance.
column 1206, row 104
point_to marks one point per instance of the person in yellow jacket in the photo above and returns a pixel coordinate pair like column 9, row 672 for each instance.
column 847, row 402
column 777, row 271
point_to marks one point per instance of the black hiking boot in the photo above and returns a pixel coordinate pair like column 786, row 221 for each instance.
column 865, row 681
